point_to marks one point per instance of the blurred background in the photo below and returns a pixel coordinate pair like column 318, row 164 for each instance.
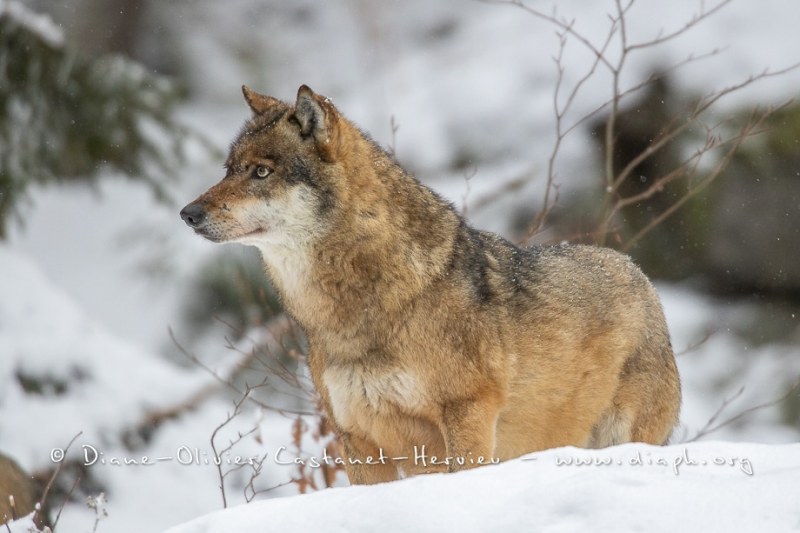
column 120, row 327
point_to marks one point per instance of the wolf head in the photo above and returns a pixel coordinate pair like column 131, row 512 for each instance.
column 282, row 178
column 322, row 201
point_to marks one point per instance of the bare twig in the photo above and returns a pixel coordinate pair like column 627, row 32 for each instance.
column 617, row 35
column 725, row 403
column 711, row 428
column 218, row 453
column 280, row 325
column 270, row 366
column 507, row 188
column 748, row 130
column 567, row 26
column 694, row 21
column 393, row 143
column 693, row 346
column 98, row 504
column 66, row 499
column 662, row 73
column 467, row 179
column 696, row 110
column 561, row 110
column 55, row 475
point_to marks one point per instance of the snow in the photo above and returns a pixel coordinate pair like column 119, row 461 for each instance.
column 43, row 335
column 101, row 388
column 23, row 525
column 79, row 303
column 709, row 486
column 41, row 25
column 717, row 364
column 109, row 386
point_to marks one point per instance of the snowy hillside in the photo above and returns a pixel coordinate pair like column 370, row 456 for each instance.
column 703, row 487
column 69, row 373
column 63, row 376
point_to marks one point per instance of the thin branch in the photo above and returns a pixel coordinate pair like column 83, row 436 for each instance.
column 66, row 499
column 694, row 21
column 226, row 381
column 725, row 403
column 218, row 453
column 560, row 112
column 56, row 473
column 698, row 108
column 616, row 97
column 393, row 139
column 693, row 346
column 509, row 187
column 467, row 179
column 711, row 428
column 662, row 73
column 566, row 26
column 747, row 131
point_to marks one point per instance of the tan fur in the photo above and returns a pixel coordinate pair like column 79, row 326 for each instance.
column 424, row 331
column 19, row 493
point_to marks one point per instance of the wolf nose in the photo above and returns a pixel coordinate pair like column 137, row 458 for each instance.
column 193, row 215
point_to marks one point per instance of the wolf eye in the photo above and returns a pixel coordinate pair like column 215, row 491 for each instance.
column 262, row 172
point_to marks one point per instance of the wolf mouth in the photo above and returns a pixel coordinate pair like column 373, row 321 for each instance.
column 219, row 238
column 212, row 233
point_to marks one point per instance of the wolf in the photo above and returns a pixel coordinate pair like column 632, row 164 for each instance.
column 435, row 346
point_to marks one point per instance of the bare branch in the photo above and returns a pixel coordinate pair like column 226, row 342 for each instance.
column 218, row 453
column 281, row 324
column 55, row 475
column 711, row 428
column 662, row 73
column 565, row 25
column 671, row 133
column 694, row 21
column 393, row 142
column 560, row 111
column 693, row 346
column 725, row 403
column 467, row 179
column 750, row 129
column 508, row 188
column 67, row 498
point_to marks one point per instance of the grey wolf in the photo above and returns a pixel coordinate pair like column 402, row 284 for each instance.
column 424, row 331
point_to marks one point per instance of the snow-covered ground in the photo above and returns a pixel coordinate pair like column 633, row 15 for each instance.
column 78, row 302
column 710, row 486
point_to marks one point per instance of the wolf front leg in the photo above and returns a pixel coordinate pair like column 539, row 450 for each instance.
column 469, row 428
column 366, row 463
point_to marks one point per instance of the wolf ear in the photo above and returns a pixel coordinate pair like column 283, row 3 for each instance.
column 319, row 120
column 258, row 102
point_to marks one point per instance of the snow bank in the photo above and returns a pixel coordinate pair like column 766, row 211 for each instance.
column 61, row 373
column 23, row 525
column 710, row 486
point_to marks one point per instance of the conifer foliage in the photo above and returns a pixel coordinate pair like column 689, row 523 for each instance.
column 65, row 117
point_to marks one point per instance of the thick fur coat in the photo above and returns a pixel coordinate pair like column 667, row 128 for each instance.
column 424, row 331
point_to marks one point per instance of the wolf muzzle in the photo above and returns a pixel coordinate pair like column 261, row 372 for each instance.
column 194, row 215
